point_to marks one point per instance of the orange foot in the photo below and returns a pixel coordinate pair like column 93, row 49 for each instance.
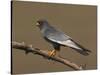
column 52, row 53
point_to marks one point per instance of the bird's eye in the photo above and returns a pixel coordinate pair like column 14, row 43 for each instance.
column 40, row 22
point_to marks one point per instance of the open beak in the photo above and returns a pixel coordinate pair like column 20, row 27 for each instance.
column 37, row 24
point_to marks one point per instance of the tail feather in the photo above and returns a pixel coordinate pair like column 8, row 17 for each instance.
column 84, row 51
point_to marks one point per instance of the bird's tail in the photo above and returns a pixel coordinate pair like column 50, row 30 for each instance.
column 82, row 50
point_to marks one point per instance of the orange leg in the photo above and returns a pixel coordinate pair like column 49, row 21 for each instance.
column 52, row 53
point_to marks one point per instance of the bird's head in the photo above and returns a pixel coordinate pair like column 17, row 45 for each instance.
column 41, row 23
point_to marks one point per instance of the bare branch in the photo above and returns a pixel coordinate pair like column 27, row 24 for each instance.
column 29, row 48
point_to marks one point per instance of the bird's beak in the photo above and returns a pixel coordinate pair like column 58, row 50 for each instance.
column 37, row 24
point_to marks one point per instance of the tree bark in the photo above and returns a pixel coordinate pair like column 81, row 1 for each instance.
column 30, row 49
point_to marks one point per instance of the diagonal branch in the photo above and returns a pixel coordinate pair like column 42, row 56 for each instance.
column 29, row 48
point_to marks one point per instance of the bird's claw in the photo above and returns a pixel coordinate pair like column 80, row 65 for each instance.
column 52, row 53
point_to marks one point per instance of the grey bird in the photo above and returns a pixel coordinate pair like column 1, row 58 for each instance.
column 58, row 38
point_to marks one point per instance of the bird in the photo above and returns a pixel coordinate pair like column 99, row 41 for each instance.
column 57, row 38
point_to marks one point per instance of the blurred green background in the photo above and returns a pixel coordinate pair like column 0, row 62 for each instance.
column 77, row 21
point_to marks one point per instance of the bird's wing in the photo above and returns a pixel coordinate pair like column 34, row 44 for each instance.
column 64, row 41
column 55, row 35
column 61, row 38
column 72, row 44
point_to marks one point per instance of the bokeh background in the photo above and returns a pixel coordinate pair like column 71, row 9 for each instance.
column 77, row 21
